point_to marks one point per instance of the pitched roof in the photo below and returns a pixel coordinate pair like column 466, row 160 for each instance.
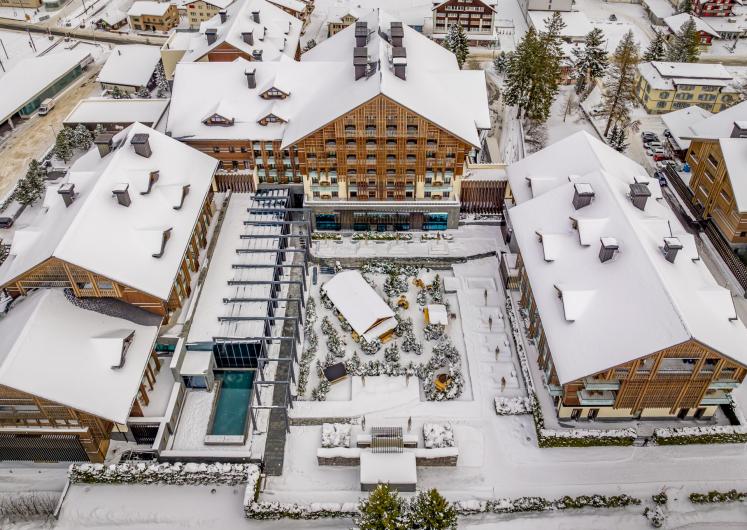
column 109, row 110
column 675, row 23
column 679, row 122
column 148, row 7
column 719, row 125
column 666, row 75
column 104, row 237
column 54, row 350
column 130, row 64
column 598, row 315
column 735, row 158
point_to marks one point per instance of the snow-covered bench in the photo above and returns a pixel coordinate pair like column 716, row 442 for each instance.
column 396, row 469
column 408, row 440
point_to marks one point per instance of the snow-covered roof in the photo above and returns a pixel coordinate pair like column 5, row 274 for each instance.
column 730, row 24
column 735, row 158
column 337, row 12
column 675, row 23
column 276, row 34
column 119, row 242
column 596, row 314
column 293, row 5
column 220, row 4
column 54, row 350
column 484, row 172
column 719, row 125
column 388, row 468
column 357, row 301
column 112, row 16
column 410, row 12
column 432, row 79
column 108, row 110
column 660, row 8
column 665, row 75
column 32, row 76
column 130, row 65
column 679, row 122
column 437, row 314
column 148, row 7
column 577, row 24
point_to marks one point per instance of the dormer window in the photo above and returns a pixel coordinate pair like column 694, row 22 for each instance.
column 274, row 93
column 271, row 118
column 217, row 119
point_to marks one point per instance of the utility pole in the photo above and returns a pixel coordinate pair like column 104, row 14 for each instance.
column 4, row 50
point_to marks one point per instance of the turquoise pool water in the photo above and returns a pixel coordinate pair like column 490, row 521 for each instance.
column 233, row 403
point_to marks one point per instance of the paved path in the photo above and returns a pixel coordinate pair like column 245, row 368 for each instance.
column 86, row 34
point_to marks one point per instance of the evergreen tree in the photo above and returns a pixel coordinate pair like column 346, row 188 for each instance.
column 82, row 137
column 310, row 44
column 143, row 93
column 430, row 511
column 456, row 43
column 686, row 6
column 98, row 130
column 383, row 510
column 617, row 138
column 519, row 71
column 657, row 48
column 590, row 61
column 685, row 47
column 501, row 62
column 63, row 146
column 31, row 187
column 161, row 83
column 619, row 86
column 118, row 93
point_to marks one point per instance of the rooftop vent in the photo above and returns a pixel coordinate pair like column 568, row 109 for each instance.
column 399, row 61
column 223, row 16
column 672, row 245
column 257, row 55
column 152, row 179
column 67, row 191
column 255, row 16
column 251, row 78
column 639, row 194
column 185, row 192
column 397, row 33
column 141, row 144
column 122, row 193
column 211, row 34
column 361, row 34
column 248, row 37
column 164, row 238
column 583, row 194
column 104, row 143
column 608, row 248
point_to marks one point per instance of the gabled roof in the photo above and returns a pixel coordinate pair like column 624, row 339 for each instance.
column 489, row 5
column 130, row 64
column 675, row 23
column 680, row 121
column 597, row 315
column 148, row 7
column 735, row 158
column 719, row 125
column 76, row 357
column 115, row 241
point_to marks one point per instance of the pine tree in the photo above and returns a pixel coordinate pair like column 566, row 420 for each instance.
column 143, row 93
column 590, row 61
column 82, row 138
column 617, row 138
column 310, row 44
column 685, row 47
column 686, row 6
column 501, row 62
column 657, row 48
column 98, row 130
column 383, row 510
column 31, row 187
column 63, row 146
column 430, row 511
column 456, row 43
column 619, row 86
column 162, row 84
column 118, row 93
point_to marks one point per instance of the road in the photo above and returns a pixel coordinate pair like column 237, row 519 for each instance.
column 85, row 34
column 33, row 137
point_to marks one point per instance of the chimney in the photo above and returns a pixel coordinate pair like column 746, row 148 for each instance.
column 104, row 143
column 212, row 35
column 255, row 16
column 251, row 78
column 583, row 194
column 360, row 67
column 122, row 193
column 739, row 130
column 166, row 234
column 608, row 248
column 361, row 34
column 257, row 55
column 67, row 191
column 248, row 37
column 152, row 179
column 397, row 34
column 639, row 194
column 185, row 192
column 223, row 16
column 672, row 245
column 399, row 60
column 141, row 145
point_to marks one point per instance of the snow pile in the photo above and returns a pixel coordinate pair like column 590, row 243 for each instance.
column 438, row 435
column 335, row 435
column 705, row 434
column 505, row 406
column 176, row 474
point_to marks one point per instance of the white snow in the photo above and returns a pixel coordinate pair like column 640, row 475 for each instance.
column 391, row 468
column 335, row 435
column 734, row 151
column 675, row 23
column 438, row 435
column 148, row 7
column 719, row 125
column 680, row 121
column 666, row 75
column 130, row 65
column 117, row 111
column 577, row 24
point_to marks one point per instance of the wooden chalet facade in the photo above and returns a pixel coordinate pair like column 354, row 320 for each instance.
column 712, row 8
column 475, row 16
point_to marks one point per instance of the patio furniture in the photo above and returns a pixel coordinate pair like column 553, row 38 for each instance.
column 442, row 382
column 335, row 373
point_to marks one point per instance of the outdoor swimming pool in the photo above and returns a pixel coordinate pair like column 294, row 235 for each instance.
column 229, row 418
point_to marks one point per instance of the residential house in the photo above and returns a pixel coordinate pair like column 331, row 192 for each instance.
column 544, row 5
column 704, row 29
column 627, row 320
column 147, row 15
column 128, row 223
column 340, row 17
column 116, row 114
column 663, row 86
column 111, row 20
column 678, row 123
column 254, row 30
column 301, row 9
column 477, row 18
column 713, row 8
column 203, row 10
column 130, row 67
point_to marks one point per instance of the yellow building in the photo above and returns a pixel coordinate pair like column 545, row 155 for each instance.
column 146, row 15
column 24, row 4
column 202, row 11
column 663, row 87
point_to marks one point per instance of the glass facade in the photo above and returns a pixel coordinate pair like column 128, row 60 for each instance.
column 435, row 221
column 236, row 354
column 51, row 91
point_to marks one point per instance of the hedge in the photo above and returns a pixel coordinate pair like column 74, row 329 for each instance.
column 177, row 474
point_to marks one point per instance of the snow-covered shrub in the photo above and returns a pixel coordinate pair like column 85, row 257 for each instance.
column 422, row 298
column 395, row 285
column 718, row 497
column 655, row 516
column 326, row 302
column 353, row 365
column 307, row 357
column 320, row 392
column 660, row 499
column 712, row 434
column 454, row 385
column 22, row 506
column 335, row 435
column 434, row 331
column 391, row 353
column 445, row 353
column 162, row 473
column 505, row 406
column 370, row 347
column 333, row 236
column 437, row 435
column 310, row 316
column 403, row 325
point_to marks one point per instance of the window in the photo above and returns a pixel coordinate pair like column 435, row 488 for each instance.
column 661, row 104
column 216, row 149
column 427, row 194
column 712, row 160
column 106, row 286
column 243, row 149
column 725, row 195
column 316, row 194
column 372, row 194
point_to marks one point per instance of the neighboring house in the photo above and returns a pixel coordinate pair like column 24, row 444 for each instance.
column 146, row 15
column 477, row 17
column 387, row 151
column 713, row 8
column 203, row 10
column 663, row 87
column 483, row 188
column 128, row 222
column 718, row 157
column 21, row 4
column 596, row 242
column 658, row 10
column 577, row 24
column 301, row 9
column 340, row 17
column 729, row 28
column 72, row 375
column 130, row 67
column 111, row 19
column 678, row 123
column 705, row 31
column 116, row 114
column 544, row 5
column 254, row 30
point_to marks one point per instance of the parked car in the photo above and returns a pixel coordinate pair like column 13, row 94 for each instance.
column 644, row 134
column 10, row 214
column 659, row 175
column 661, row 156
column 667, row 133
column 613, row 17
column 46, row 106
column 654, row 144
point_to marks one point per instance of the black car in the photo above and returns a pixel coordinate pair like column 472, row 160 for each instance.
column 667, row 133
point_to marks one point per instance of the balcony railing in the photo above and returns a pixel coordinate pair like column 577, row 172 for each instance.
column 599, row 399
column 601, row 384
